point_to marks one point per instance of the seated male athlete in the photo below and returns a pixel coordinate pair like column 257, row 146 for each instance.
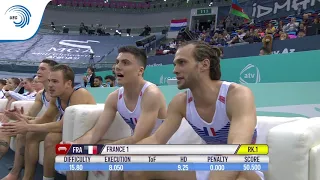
column 225, row 109
column 29, row 95
column 64, row 94
column 140, row 103
column 42, row 101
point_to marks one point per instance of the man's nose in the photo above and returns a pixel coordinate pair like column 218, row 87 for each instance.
column 175, row 70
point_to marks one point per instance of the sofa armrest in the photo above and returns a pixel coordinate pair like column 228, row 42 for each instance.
column 289, row 149
column 265, row 123
column 81, row 118
column 25, row 104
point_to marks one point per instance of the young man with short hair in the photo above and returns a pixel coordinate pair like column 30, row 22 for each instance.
column 208, row 103
column 134, row 101
column 97, row 81
column 110, row 81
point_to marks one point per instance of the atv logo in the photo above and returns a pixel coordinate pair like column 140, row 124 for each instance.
column 250, row 74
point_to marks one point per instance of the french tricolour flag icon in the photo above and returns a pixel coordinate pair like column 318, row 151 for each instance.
column 209, row 131
column 92, row 149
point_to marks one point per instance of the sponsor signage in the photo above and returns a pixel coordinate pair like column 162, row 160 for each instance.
column 270, row 9
column 65, row 48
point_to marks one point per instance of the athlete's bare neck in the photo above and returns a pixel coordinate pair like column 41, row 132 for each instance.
column 133, row 89
column 45, row 85
column 205, row 92
column 65, row 97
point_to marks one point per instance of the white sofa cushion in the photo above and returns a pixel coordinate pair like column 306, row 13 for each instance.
column 289, row 149
column 265, row 123
column 85, row 117
column 314, row 163
column 3, row 104
column 25, row 104
column 75, row 116
column 13, row 143
column 41, row 152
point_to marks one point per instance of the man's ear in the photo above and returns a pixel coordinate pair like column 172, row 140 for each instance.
column 205, row 64
column 141, row 71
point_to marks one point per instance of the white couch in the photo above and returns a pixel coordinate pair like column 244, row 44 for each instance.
column 294, row 143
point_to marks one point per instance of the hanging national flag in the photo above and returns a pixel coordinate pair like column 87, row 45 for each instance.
column 91, row 149
column 237, row 10
column 178, row 24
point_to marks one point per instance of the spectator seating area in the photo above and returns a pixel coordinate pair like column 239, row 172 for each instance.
column 299, row 138
column 293, row 26
column 258, row 30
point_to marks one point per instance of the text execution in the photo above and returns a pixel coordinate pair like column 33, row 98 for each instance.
column 117, row 159
column 77, row 159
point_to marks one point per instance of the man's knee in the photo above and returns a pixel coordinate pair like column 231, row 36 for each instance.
column 21, row 138
column 20, row 143
column 31, row 137
column 34, row 137
column 52, row 139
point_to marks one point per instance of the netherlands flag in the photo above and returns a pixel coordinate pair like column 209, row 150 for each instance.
column 92, row 149
column 178, row 24
column 209, row 131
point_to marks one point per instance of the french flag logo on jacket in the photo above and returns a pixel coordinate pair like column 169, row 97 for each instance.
column 178, row 24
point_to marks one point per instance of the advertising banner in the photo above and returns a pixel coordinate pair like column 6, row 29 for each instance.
column 65, row 48
column 273, row 9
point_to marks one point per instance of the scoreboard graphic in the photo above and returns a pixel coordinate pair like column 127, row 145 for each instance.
column 171, row 157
